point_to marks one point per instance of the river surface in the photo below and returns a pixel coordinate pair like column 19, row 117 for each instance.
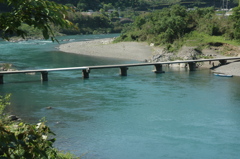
column 177, row 115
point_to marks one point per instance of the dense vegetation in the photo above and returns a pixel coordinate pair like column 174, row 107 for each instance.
column 94, row 23
column 96, row 5
column 105, row 16
column 103, row 21
column 176, row 25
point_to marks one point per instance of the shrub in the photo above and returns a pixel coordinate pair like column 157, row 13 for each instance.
column 21, row 140
column 26, row 141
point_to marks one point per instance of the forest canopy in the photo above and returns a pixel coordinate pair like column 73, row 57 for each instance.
column 174, row 24
column 96, row 5
column 32, row 17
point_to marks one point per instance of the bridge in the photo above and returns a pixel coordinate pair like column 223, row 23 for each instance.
column 123, row 67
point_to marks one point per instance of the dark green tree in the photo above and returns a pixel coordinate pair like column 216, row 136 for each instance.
column 165, row 26
column 41, row 14
column 235, row 17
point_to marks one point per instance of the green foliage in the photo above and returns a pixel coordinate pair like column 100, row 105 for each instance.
column 37, row 33
column 200, row 39
column 37, row 13
column 94, row 23
column 66, row 155
column 20, row 140
column 160, row 27
column 176, row 26
column 44, row 15
column 96, row 5
column 4, row 101
column 143, row 4
column 106, row 7
column 26, row 141
column 236, row 23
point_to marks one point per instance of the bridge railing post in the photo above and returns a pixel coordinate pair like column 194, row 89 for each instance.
column 158, row 69
column 44, row 76
column 1, row 78
column 85, row 73
column 123, row 71
column 223, row 62
column 192, row 66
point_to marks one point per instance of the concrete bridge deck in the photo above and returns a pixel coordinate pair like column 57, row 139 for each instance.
column 123, row 67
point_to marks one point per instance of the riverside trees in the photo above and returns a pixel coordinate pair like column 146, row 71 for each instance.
column 170, row 25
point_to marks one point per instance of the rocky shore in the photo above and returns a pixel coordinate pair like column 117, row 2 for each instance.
column 144, row 52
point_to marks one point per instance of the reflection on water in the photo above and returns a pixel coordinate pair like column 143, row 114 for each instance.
column 179, row 114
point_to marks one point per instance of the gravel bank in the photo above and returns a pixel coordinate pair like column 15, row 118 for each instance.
column 232, row 68
column 133, row 51
column 105, row 48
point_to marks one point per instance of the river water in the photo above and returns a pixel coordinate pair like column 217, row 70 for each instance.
column 179, row 114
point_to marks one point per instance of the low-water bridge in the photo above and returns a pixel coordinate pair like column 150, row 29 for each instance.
column 123, row 67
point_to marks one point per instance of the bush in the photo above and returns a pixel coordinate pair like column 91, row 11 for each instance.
column 26, row 141
column 4, row 101
column 21, row 140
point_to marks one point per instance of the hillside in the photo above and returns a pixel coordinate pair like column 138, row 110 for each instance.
column 110, row 16
column 146, row 4
column 143, row 5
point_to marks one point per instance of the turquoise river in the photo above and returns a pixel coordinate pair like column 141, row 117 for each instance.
column 176, row 115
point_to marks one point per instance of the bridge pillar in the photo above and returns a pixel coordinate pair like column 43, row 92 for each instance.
column 158, row 69
column 85, row 73
column 44, row 76
column 1, row 79
column 123, row 71
column 192, row 66
column 223, row 62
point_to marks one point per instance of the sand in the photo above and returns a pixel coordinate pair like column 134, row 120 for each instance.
column 105, row 48
column 232, row 68
column 132, row 51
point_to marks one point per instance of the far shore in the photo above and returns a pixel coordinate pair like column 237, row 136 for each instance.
column 136, row 51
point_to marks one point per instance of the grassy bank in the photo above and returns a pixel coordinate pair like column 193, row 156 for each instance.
column 196, row 39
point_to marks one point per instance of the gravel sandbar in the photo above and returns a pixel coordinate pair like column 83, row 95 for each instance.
column 105, row 48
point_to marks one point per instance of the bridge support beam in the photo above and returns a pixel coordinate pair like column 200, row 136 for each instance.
column 44, row 76
column 223, row 62
column 158, row 69
column 192, row 66
column 1, row 79
column 123, row 71
column 85, row 73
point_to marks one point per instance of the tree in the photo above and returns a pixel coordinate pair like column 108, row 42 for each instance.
column 166, row 26
column 40, row 14
column 82, row 5
column 236, row 25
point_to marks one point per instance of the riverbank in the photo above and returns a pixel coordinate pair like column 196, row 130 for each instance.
column 232, row 68
column 105, row 48
column 141, row 52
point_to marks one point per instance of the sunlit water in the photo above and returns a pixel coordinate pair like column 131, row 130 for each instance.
column 179, row 114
